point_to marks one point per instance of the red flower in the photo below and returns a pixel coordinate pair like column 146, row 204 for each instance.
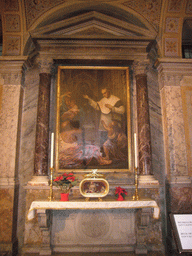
column 70, row 178
column 120, row 191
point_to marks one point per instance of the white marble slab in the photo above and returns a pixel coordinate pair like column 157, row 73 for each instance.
column 58, row 205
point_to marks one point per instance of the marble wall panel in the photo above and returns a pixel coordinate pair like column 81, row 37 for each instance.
column 180, row 199
column 6, row 216
column 174, row 132
column 28, row 130
column 156, row 126
column 8, row 130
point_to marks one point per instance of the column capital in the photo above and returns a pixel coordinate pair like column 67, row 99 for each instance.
column 11, row 69
column 171, row 71
column 45, row 63
column 140, row 67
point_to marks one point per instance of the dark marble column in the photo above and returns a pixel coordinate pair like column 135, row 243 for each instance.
column 143, row 123
column 42, row 128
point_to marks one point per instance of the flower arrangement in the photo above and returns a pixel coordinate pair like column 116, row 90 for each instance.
column 65, row 182
column 120, row 193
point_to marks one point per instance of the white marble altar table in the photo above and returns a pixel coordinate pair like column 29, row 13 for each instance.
column 92, row 205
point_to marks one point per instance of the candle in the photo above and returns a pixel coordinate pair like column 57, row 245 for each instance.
column 52, row 148
column 135, row 143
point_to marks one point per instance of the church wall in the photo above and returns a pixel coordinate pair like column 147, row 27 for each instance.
column 9, row 144
column 173, row 79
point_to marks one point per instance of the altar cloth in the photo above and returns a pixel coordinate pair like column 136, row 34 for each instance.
column 92, row 205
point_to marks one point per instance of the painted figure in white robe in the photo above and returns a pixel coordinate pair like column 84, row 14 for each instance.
column 111, row 108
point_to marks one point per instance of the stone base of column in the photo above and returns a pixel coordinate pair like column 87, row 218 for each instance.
column 39, row 180
column 148, row 180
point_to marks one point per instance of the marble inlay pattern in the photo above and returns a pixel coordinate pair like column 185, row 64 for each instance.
column 175, row 136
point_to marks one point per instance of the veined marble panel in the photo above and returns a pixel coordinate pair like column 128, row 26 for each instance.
column 8, row 129
column 28, row 129
column 156, row 127
column 175, row 134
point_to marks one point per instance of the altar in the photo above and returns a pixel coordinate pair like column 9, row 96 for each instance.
column 108, row 225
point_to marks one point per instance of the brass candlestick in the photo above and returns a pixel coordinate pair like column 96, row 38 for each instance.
column 51, row 186
column 136, row 196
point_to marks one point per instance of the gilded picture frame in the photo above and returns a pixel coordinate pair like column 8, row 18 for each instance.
column 93, row 128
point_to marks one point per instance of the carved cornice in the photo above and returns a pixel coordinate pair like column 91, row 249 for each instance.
column 171, row 71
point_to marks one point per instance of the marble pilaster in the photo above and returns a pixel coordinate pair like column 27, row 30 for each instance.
column 170, row 77
column 11, row 102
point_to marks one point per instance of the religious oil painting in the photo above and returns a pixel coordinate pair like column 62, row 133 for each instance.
column 93, row 119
